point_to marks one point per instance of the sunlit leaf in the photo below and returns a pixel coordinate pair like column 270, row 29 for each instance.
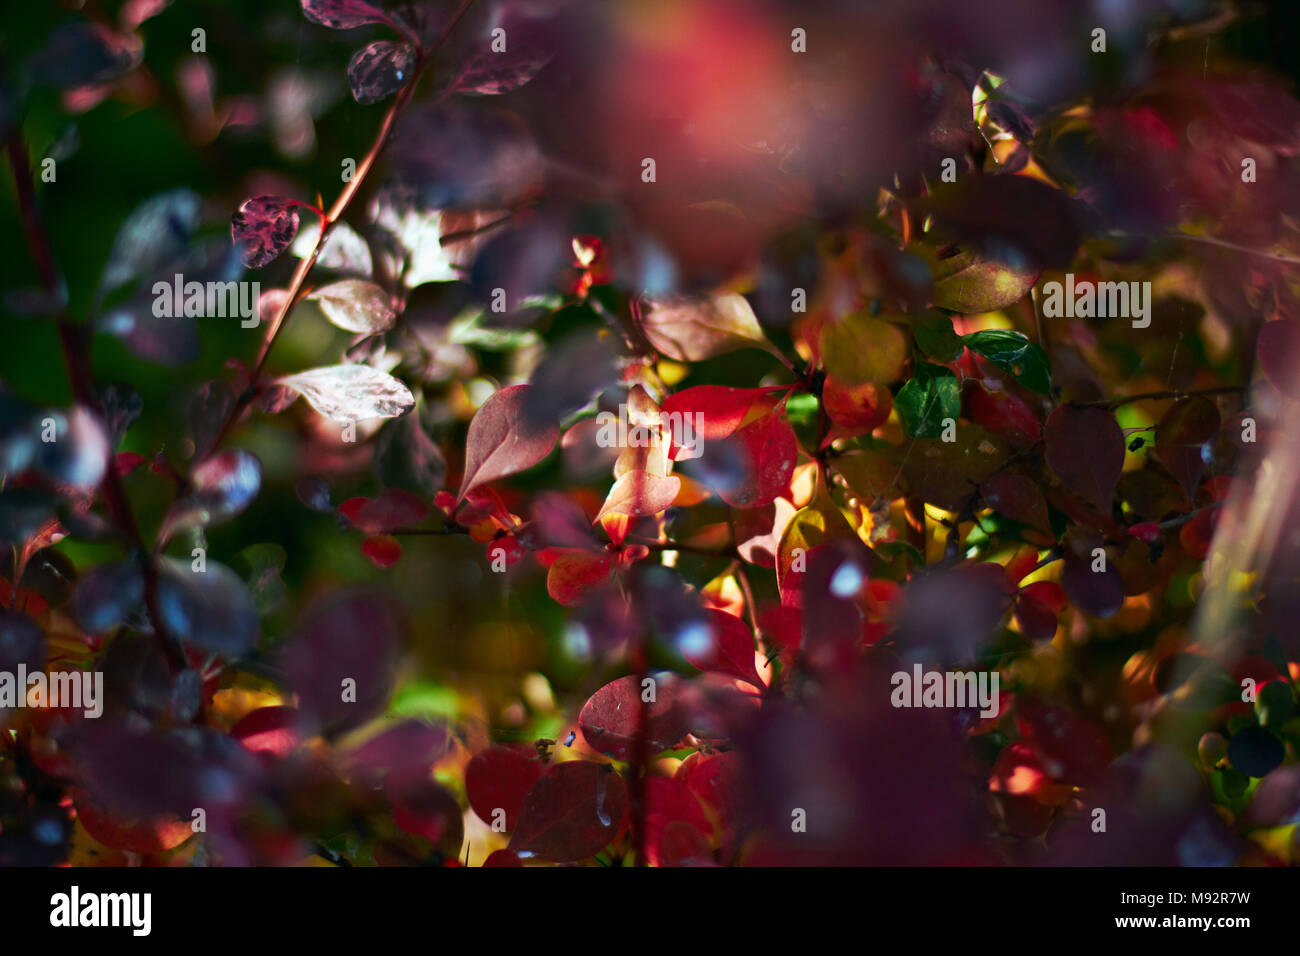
column 351, row 393
column 355, row 305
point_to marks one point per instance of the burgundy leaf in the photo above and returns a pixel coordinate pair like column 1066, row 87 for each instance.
column 488, row 74
column 1072, row 747
column 393, row 510
column 499, row 778
column 354, row 636
column 572, row 813
column 263, row 227
column 1184, row 436
column 611, row 718
column 379, row 69
column 1018, row 497
column 426, row 808
column 500, row 442
column 1098, row 593
column 1085, row 449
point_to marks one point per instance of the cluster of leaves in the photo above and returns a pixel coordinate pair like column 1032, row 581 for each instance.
column 898, row 459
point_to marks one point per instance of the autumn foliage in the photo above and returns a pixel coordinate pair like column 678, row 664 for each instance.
column 370, row 582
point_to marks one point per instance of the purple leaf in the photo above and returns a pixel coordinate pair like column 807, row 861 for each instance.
column 1085, row 449
column 211, row 608
column 343, row 14
column 489, row 74
column 263, row 227
column 107, row 595
column 379, row 69
column 501, row 442
column 1184, row 436
column 353, row 635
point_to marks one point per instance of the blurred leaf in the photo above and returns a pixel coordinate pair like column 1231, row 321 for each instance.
column 858, row 349
column 261, row 566
column 406, row 457
column 1185, row 440
column 1085, row 450
column 156, row 233
column 211, row 608
column 220, row 488
column 352, row 635
column 694, row 330
column 81, row 52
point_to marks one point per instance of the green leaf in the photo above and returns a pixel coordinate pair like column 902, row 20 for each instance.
column 801, row 410
column 936, row 338
column 932, row 395
column 1013, row 352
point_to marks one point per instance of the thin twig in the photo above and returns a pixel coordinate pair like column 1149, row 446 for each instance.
column 1182, row 393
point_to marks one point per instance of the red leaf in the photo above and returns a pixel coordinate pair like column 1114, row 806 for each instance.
column 669, row 801
column 1098, row 593
column 263, row 227
column 1085, row 449
column 611, row 718
column 1072, row 748
column 503, row 441
column 731, row 650
column 128, row 461
column 383, row 550
column 1001, row 411
column 154, row 835
column 574, row 573
column 716, row 411
column 861, row 408
column 1183, row 435
column 572, row 813
column 268, row 730
column 1036, row 619
column 427, row 809
column 767, row 451
column 499, row 778
column 393, row 510
column 503, row 858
